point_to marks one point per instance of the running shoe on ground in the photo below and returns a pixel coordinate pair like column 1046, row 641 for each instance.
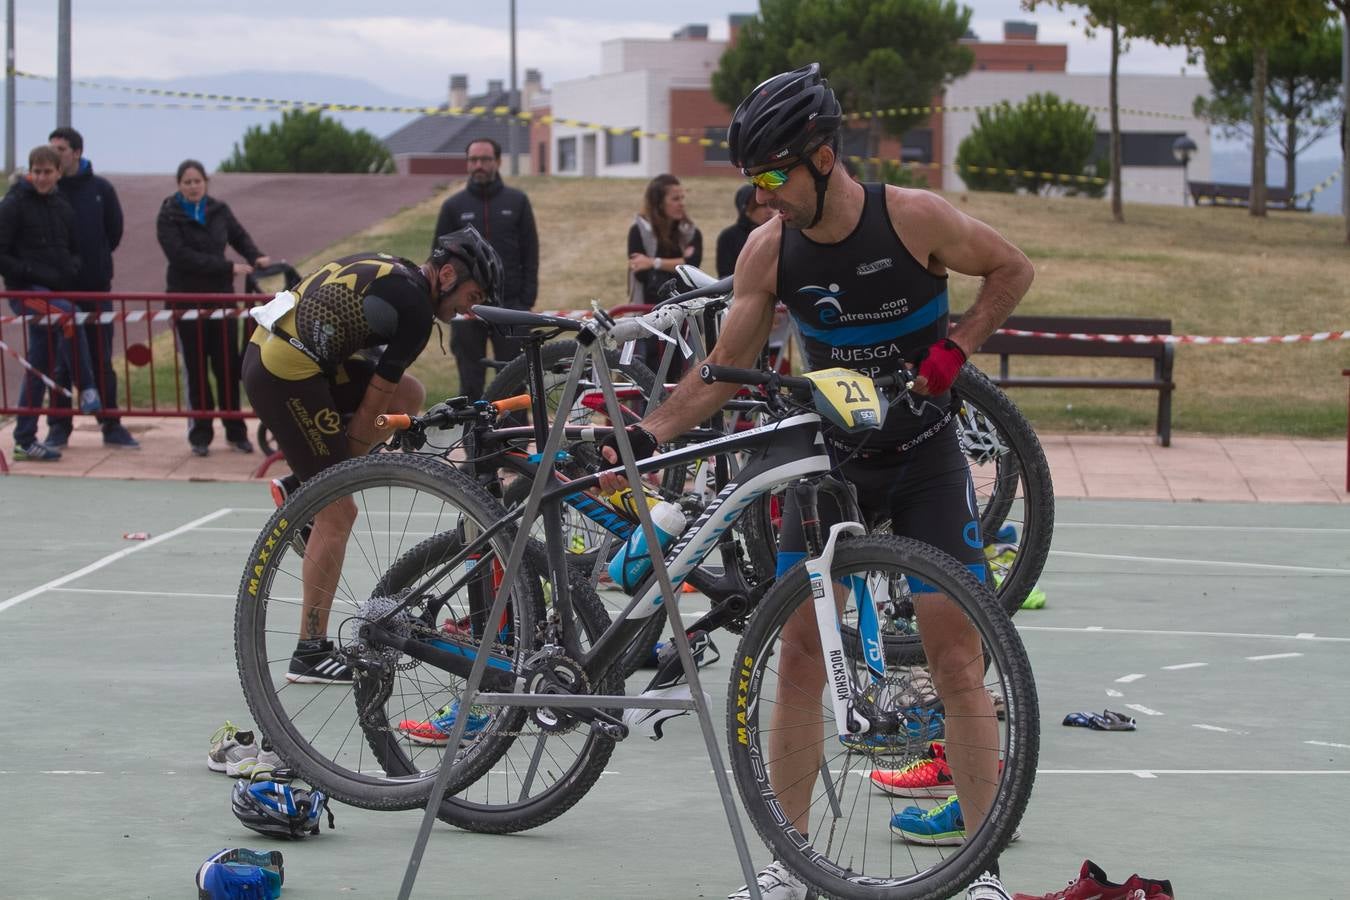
column 262, row 765
column 987, row 887
column 36, row 452
column 435, row 731
column 940, row 826
column 229, row 748
column 776, row 882
column 316, row 662
column 920, row 724
column 1092, row 884
column 929, row 776
column 118, row 436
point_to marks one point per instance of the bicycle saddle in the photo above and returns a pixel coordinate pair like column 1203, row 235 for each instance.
column 519, row 318
column 711, row 289
column 693, row 276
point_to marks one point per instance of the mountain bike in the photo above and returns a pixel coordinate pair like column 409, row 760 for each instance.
column 437, row 578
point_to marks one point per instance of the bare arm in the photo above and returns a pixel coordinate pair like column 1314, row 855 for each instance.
column 948, row 237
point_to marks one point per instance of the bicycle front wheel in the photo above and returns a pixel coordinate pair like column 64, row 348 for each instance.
column 832, row 806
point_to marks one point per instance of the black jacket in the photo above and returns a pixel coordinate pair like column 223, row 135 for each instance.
column 733, row 237
column 502, row 215
column 98, row 225
column 37, row 240
column 196, row 252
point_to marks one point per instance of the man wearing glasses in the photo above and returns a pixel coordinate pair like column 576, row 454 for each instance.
column 502, row 215
column 863, row 271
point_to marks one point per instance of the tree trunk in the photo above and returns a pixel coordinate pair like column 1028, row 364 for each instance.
column 1260, row 62
column 1291, row 146
column 1117, row 202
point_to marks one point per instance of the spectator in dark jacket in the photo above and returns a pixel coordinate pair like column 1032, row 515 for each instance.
column 504, row 217
column 194, row 229
column 98, row 231
column 37, row 253
column 749, row 216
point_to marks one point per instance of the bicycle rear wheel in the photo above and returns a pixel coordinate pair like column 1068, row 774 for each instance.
column 810, row 792
column 397, row 502
column 630, row 377
column 1012, row 485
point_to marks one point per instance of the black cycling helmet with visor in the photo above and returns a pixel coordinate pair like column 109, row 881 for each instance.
column 479, row 258
column 785, row 119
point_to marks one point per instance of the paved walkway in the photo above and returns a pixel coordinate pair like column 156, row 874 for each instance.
column 1195, row 467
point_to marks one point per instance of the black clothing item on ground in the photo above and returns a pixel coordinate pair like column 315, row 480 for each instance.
column 652, row 279
column 211, row 346
column 37, row 240
column 307, row 417
column 504, row 217
column 196, row 251
column 864, row 303
column 468, row 341
column 98, row 225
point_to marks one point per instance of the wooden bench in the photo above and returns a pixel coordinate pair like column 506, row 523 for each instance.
column 1214, row 193
column 1161, row 354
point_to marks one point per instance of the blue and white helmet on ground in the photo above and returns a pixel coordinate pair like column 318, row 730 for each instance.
column 278, row 810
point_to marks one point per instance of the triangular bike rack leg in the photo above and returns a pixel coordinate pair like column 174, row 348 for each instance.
column 471, row 688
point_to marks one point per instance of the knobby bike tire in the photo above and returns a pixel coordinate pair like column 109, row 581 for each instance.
column 749, row 697
column 1023, row 462
column 568, row 787
column 383, row 473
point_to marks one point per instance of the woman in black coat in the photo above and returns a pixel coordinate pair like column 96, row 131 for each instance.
column 194, row 230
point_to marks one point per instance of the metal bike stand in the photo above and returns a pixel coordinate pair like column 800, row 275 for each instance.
column 471, row 694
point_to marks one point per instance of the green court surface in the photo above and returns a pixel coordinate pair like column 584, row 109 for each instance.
column 1222, row 627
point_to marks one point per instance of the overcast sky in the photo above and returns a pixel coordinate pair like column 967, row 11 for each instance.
column 414, row 49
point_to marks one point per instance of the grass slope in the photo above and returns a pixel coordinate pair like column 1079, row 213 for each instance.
column 1211, row 271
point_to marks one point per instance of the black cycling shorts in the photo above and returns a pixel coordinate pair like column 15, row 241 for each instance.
column 926, row 493
column 308, row 418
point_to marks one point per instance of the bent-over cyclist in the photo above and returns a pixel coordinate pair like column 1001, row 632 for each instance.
column 863, row 272
column 316, row 379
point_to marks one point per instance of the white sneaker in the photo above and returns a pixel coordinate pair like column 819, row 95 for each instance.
column 987, row 887
column 775, row 882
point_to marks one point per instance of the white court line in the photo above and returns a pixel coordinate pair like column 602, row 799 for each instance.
column 1141, row 708
column 1328, row 744
column 112, row 558
column 1200, row 562
column 1274, row 656
column 69, row 590
column 1221, row 634
column 1184, row 666
column 1126, row 679
column 1217, row 728
column 1152, row 773
column 1289, row 528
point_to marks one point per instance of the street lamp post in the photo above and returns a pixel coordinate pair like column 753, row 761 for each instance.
column 1183, row 148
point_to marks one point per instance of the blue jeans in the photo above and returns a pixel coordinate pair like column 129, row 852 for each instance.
column 100, row 338
column 44, row 342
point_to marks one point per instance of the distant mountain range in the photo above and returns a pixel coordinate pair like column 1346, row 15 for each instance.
column 1236, row 166
column 158, row 139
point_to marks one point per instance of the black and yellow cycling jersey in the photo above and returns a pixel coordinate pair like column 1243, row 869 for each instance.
column 351, row 304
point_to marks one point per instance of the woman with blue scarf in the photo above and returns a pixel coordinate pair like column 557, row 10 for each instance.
column 194, row 229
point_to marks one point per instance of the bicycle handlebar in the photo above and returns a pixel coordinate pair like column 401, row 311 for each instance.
column 802, row 387
column 632, row 328
column 445, row 415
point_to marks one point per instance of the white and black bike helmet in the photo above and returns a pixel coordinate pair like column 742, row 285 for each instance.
column 276, row 809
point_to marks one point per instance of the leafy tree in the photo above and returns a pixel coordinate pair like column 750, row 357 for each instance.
column 1118, row 18
column 877, row 54
column 306, row 141
column 1208, row 26
column 1302, row 91
column 1041, row 137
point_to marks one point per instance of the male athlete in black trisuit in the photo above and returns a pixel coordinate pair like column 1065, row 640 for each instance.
column 863, row 270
